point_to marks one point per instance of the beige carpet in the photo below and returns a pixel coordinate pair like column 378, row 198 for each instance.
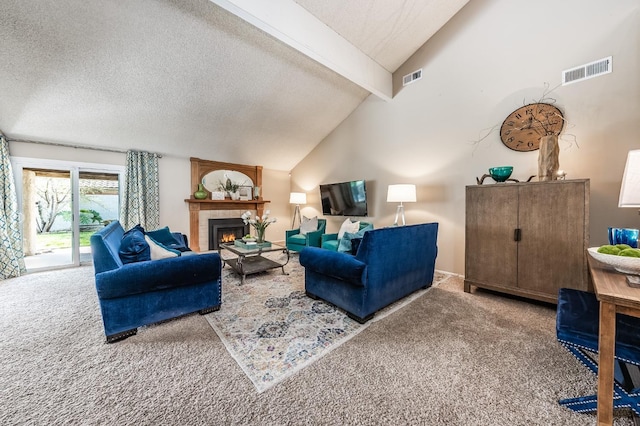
column 447, row 358
column 273, row 330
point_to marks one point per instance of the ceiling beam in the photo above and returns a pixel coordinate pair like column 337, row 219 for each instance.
column 290, row 23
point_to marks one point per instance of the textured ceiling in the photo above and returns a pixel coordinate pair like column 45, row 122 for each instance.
column 187, row 78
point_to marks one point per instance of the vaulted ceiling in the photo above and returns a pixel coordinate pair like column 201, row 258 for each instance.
column 243, row 81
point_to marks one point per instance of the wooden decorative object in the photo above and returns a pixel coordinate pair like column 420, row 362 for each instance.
column 548, row 163
column 480, row 180
column 484, row 176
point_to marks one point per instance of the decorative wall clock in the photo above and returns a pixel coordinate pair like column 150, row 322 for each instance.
column 523, row 128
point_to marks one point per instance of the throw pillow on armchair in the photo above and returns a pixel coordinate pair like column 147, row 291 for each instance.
column 308, row 225
column 345, row 243
column 348, row 226
column 332, row 241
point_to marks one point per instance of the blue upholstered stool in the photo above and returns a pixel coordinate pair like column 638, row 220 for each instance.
column 577, row 325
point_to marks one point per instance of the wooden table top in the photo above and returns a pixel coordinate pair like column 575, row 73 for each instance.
column 611, row 286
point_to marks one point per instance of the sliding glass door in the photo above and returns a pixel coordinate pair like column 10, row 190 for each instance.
column 47, row 238
column 99, row 204
column 63, row 203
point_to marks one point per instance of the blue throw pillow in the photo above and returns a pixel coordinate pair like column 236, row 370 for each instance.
column 345, row 245
column 355, row 243
column 138, row 227
column 163, row 236
column 133, row 247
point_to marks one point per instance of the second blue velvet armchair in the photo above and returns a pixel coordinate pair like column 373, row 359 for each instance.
column 295, row 241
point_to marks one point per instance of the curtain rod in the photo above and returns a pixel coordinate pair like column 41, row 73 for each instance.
column 93, row 148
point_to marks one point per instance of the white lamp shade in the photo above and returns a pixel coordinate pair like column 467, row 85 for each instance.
column 298, row 198
column 403, row 193
column 630, row 188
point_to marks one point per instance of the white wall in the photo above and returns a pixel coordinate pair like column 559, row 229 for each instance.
column 491, row 58
column 175, row 183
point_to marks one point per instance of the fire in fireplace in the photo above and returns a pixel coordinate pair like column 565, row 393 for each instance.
column 225, row 231
column 227, row 237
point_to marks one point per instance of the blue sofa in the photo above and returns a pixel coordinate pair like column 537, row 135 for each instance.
column 390, row 263
column 145, row 292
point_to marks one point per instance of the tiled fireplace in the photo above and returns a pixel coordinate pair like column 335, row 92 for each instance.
column 225, row 230
column 207, row 217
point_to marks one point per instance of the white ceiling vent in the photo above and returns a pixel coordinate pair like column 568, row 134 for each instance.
column 586, row 71
column 410, row 78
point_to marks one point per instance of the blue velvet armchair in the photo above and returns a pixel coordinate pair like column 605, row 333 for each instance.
column 389, row 264
column 296, row 241
column 149, row 291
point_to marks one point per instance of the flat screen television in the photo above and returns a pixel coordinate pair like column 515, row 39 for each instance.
column 344, row 198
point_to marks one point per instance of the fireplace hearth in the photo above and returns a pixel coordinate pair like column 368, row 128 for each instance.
column 225, row 231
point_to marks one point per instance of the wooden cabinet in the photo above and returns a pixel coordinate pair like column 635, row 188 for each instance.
column 527, row 239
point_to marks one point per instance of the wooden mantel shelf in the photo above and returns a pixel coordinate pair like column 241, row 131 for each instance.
column 228, row 204
column 207, row 204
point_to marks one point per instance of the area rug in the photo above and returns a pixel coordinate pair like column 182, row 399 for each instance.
column 272, row 329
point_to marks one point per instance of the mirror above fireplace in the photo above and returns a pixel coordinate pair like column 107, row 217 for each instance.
column 213, row 181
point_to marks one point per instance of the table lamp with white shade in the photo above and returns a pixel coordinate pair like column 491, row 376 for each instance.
column 630, row 197
column 297, row 198
column 630, row 188
column 401, row 193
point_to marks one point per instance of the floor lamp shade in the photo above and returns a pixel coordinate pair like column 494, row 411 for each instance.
column 297, row 198
column 401, row 193
column 630, row 188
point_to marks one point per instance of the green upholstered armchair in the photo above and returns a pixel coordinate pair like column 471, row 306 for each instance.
column 296, row 241
column 331, row 242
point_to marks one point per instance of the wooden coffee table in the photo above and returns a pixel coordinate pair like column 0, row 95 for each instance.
column 252, row 261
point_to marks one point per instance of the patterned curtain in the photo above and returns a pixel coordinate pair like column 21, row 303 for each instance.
column 141, row 200
column 11, row 254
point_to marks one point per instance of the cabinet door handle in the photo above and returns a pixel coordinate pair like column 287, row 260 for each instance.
column 517, row 234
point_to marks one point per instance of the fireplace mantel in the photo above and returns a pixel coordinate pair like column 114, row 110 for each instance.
column 227, row 204
column 199, row 168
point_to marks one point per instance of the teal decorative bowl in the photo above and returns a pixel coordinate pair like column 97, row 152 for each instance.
column 500, row 174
